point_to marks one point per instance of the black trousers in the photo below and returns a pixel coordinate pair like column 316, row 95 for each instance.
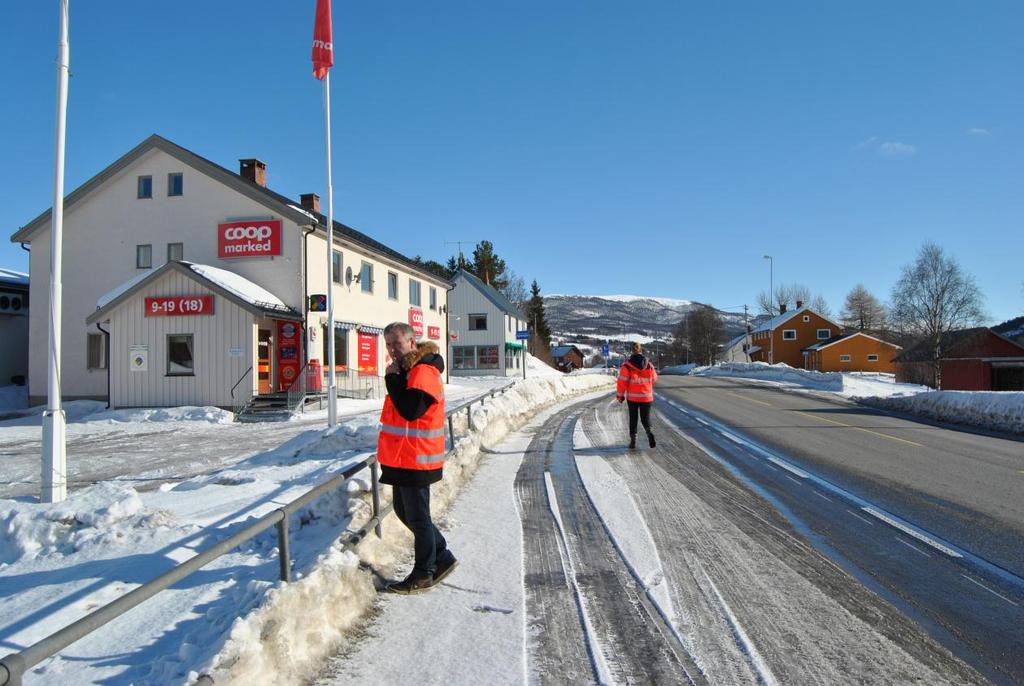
column 412, row 506
column 644, row 411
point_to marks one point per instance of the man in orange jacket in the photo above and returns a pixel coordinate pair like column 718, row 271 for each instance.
column 411, row 450
column 636, row 385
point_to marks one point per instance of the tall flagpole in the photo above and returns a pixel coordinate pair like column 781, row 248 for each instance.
column 332, row 386
column 54, row 463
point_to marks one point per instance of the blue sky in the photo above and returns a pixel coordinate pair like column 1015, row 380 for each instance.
column 656, row 148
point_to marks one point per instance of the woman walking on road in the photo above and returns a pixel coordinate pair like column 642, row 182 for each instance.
column 636, row 385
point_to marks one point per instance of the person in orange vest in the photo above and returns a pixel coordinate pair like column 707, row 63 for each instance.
column 411, row 450
column 636, row 386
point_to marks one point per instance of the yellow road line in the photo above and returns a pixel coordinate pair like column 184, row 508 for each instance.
column 743, row 397
column 858, row 428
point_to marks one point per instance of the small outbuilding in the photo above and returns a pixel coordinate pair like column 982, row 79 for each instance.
column 977, row 359
column 567, row 358
column 853, row 352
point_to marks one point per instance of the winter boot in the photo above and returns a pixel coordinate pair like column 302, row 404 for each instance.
column 445, row 568
column 411, row 584
column 650, row 438
column 632, row 441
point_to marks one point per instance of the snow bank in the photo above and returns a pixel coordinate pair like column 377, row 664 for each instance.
column 679, row 369
column 780, row 373
column 993, row 410
column 187, row 413
column 302, row 623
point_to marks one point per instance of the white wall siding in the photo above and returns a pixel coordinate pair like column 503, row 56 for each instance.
column 216, row 371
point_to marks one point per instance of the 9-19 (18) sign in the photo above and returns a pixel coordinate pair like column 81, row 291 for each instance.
column 178, row 306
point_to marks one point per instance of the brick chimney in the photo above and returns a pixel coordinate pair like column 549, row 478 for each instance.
column 310, row 201
column 253, row 170
column 799, row 304
column 782, row 308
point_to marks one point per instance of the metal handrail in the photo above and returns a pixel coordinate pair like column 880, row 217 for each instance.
column 296, row 390
column 235, row 405
column 14, row 666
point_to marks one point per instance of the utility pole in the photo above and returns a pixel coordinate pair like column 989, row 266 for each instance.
column 54, row 485
column 746, row 334
column 771, row 308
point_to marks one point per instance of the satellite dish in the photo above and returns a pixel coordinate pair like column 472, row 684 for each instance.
column 348, row 276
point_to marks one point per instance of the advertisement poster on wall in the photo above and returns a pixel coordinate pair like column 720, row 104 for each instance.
column 289, row 353
column 416, row 321
column 434, row 333
column 258, row 238
column 367, row 353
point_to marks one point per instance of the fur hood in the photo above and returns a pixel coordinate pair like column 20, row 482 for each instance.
column 425, row 352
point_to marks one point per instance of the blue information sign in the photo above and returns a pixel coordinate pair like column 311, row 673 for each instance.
column 604, row 350
column 522, row 335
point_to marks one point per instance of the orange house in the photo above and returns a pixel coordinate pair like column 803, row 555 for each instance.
column 784, row 337
column 854, row 352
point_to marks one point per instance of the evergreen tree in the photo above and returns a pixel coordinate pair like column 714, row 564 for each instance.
column 453, row 264
column 434, row 267
column 488, row 267
column 535, row 319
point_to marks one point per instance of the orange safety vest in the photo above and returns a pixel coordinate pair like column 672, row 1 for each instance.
column 636, row 385
column 418, row 444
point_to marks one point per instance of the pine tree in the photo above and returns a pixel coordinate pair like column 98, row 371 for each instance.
column 488, row 266
column 535, row 319
column 435, row 267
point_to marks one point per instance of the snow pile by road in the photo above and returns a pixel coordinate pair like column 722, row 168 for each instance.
column 681, row 369
column 779, row 373
column 302, row 623
column 213, row 415
column 994, row 410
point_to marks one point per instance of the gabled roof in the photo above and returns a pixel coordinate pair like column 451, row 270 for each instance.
column 821, row 345
column 239, row 290
column 778, row 320
column 497, row 298
column 949, row 342
column 563, row 350
column 275, row 201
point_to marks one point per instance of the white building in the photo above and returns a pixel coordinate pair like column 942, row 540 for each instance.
column 738, row 349
column 232, row 237
column 13, row 326
column 483, row 325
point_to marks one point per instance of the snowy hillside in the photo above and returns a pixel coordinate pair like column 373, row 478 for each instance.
column 617, row 316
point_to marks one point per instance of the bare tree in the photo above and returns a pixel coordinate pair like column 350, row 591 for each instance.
column 704, row 332
column 863, row 311
column 515, row 289
column 933, row 297
column 820, row 305
column 678, row 349
column 786, row 297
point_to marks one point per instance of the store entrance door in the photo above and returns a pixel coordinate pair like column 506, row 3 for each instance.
column 264, row 361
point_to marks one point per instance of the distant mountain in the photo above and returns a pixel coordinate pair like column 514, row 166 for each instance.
column 624, row 317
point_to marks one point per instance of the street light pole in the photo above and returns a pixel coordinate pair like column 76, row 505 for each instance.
column 771, row 309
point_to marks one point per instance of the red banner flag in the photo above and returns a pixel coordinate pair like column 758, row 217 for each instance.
column 323, row 44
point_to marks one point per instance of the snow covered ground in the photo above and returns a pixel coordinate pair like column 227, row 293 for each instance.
column 995, row 411
column 58, row 562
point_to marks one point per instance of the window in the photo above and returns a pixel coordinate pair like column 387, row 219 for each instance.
column 872, row 358
column 844, row 358
column 414, row 292
column 145, row 187
column 175, row 251
column 392, row 286
column 508, row 324
column 807, row 317
column 464, row 357
column 789, row 334
column 97, row 357
column 175, row 185
column 366, row 277
column 478, row 322
column 487, row 357
column 824, row 334
column 179, row 355
column 340, row 348
column 433, row 298
column 144, row 256
column 336, row 266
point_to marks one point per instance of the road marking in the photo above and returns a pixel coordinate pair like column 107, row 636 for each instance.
column 913, row 547
column 911, row 532
column 789, row 468
column 792, row 479
column 973, row 581
column 866, row 521
column 859, row 428
column 743, row 397
column 822, row 496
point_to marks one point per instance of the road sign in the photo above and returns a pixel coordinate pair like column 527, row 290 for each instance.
column 604, row 350
column 522, row 335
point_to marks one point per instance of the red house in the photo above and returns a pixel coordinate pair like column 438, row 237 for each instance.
column 976, row 359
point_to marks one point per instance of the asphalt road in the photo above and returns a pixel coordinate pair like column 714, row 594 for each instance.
column 931, row 517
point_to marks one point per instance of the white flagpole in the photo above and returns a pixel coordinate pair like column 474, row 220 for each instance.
column 54, row 463
column 332, row 387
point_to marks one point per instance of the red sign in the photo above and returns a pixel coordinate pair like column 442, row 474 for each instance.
column 289, row 353
column 434, row 332
column 258, row 238
column 416, row 321
column 178, row 306
column 367, row 353
column 323, row 43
